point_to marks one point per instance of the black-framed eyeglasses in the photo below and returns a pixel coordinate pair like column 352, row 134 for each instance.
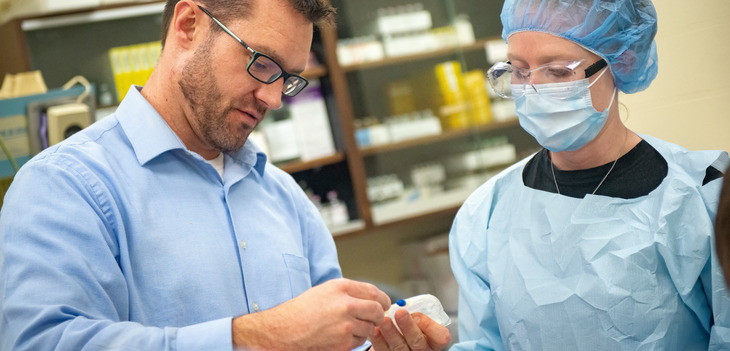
column 510, row 82
column 263, row 68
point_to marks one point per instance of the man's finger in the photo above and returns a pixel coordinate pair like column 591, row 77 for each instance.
column 367, row 291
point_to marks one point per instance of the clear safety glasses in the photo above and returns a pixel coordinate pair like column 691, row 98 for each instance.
column 511, row 82
column 264, row 68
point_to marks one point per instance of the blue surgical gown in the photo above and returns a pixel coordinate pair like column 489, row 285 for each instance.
column 542, row 271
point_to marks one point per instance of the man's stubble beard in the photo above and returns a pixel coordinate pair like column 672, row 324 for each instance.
column 209, row 118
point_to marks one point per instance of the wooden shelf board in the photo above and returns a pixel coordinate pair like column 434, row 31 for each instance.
column 349, row 228
column 298, row 166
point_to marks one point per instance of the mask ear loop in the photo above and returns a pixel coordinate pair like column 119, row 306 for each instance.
column 613, row 97
column 615, row 89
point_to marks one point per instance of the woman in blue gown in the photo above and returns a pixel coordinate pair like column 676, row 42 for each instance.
column 603, row 239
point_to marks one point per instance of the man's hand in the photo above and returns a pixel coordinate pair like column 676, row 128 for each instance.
column 337, row 315
column 420, row 333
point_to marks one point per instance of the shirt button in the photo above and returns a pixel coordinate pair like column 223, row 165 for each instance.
column 243, row 244
column 255, row 307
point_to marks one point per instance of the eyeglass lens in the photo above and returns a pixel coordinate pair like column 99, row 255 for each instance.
column 511, row 82
column 268, row 71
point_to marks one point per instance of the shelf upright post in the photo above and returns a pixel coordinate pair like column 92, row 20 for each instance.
column 354, row 158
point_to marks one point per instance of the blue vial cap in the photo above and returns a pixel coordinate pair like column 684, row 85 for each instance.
column 401, row 302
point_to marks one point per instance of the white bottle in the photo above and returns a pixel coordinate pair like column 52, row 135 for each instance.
column 337, row 210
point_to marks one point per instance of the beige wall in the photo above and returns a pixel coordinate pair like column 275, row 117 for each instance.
column 689, row 102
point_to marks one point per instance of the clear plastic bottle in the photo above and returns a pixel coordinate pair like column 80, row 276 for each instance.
column 337, row 210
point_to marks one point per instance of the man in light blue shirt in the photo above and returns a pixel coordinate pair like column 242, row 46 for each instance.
column 162, row 228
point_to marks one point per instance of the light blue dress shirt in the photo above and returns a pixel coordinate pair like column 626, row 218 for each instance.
column 120, row 239
column 543, row 271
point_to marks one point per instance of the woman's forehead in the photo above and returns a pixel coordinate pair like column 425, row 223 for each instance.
column 544, row 47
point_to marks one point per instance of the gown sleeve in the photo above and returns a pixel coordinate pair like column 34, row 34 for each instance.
column 478, row 329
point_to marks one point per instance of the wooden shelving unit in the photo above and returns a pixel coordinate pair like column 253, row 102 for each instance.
column 15, row 58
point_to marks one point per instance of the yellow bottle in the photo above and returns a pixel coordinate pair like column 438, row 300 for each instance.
column 476, row 87
column 454, row 112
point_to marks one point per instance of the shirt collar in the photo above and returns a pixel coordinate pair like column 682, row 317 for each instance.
column 151, row 136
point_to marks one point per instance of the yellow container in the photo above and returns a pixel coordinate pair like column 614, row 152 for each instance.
column 476, row 87
column 133, row 64
column 400, row 94
column 454, row 110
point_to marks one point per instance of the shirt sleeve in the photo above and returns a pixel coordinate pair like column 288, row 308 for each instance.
column 61, row 285
column 319, row 245
column 478, row 329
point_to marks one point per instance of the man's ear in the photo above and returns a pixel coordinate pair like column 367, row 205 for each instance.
column 186, row 24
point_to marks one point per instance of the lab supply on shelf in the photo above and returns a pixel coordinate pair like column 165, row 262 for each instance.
column 413, row 125
column 370, row 132
column 105, row 97
column 359, row 50
column 337, row 210
column 476, row 87
column 20, row 123
column 424, row 41
column 259, row 138
column 464, row 29
column 133, row 64
column 426, row 304
column 65, row 120
column 40, row 7
column 401, row 97
column 402, row 19
column 334, row 212
column 409, row 43
column 402, row 208
column 428, row 178
column 503, row 110
column 384, row 187
column 22, row 84
column 450, row 79
column 312, row 129
column 496, row 50
column 496, row 151
column 282, row 147
column 404, row 30
column 362, row 134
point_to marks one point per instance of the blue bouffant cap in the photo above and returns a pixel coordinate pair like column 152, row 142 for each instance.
column 620, row 31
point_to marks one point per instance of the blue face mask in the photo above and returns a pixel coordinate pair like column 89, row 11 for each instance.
column 561, row 117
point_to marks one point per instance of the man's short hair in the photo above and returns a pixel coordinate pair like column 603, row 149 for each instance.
column 319, row 12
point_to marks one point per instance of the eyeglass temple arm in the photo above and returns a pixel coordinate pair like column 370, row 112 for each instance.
column 225, row 29
column 594, row 68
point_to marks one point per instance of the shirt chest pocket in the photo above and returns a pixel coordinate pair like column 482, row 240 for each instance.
column 298, row 271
